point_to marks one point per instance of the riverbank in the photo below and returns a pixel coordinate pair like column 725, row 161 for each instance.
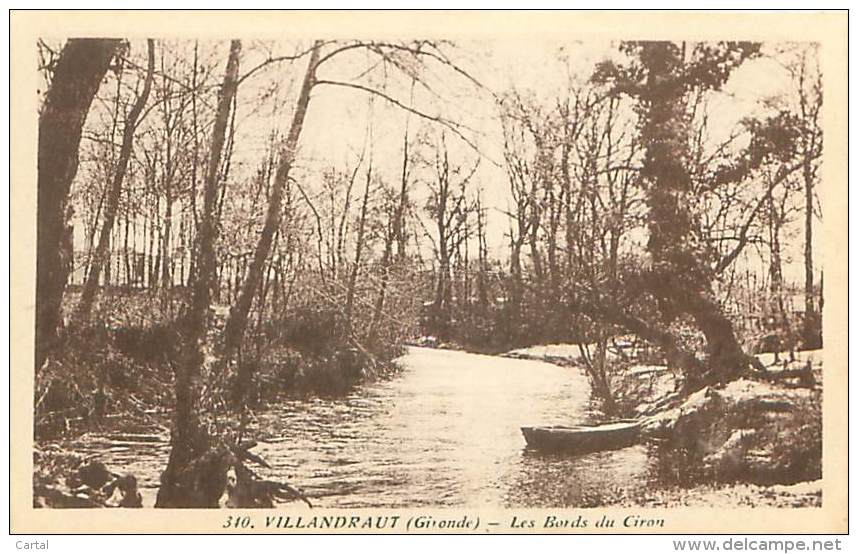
column 410, row 440
column 121, row 365
column 807, row 494
column 753, row 441
column 639, row 389
column 445, row 431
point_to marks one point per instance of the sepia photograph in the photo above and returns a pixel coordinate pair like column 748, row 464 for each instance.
column 337, row 276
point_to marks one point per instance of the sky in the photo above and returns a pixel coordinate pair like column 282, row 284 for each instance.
column 339, row 119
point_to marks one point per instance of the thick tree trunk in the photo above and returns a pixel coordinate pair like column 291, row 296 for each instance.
column 79, row 71
column 680, row 278
column 102, row 251
column 237, row 322
column 726, row 359
column 181, row 485
column 676, row 356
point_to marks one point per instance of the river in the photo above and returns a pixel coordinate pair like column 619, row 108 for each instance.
column 444, row 432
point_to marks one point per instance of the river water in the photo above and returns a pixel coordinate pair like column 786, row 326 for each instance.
column 444, row 432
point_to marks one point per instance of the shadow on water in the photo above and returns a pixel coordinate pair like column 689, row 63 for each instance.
column 445, row 432
column 588, row 480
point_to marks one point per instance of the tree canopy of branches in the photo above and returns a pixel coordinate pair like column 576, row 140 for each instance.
column 269, row 243
column 661, row 77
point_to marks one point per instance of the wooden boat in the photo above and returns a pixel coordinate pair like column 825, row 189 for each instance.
column 583, row 438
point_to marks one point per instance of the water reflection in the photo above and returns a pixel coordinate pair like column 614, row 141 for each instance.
column 444, row 432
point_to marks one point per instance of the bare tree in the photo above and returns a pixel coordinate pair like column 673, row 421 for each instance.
column 237, row 322
column 181, row 485
column 394, row 234
column 100, row 258
column 680, row 277
column 449, row 209
column 809, row 83
column 359, row 248
column 395, row 55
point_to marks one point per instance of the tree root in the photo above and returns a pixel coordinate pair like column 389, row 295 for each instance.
column 89, row 485
column 220, row 478
column 804, row 375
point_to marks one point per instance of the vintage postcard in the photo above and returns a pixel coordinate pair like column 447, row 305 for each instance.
column 428, row 272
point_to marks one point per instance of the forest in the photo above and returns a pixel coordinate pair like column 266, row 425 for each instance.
column 224, row 224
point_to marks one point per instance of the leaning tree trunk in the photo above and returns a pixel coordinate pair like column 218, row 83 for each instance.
column 680, row 278
column 237, row 322
column 102, row 253
column 79, row 71
column 181, row 485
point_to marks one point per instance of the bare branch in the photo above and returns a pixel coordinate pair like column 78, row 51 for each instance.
column 451, row 125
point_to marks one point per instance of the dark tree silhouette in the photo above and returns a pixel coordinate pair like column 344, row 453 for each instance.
column 237, row 322
column 681, row 273
column 81, row 66
column 181, row 485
